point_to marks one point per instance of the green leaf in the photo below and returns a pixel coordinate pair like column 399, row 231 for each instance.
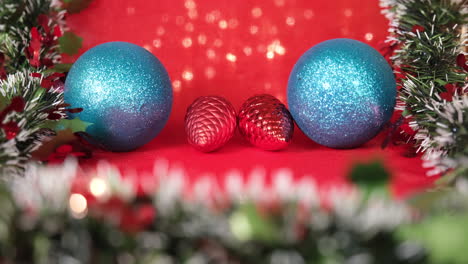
column 447, row 179
column 440, row 82
column 405, row 113
column 426, row 200
column 42, row 245
column 76, row 6
column 8, row 212
column 39, row 92
column 248, row 224
column 70, row 43
column 444, row 236
column 372, row 174
column 3, row 102
column 62, row 67
column 75, row 125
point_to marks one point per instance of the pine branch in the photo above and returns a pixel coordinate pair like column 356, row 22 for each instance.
column 429, row 35
column 17, row 19
column 29, row 48
column 27, row 122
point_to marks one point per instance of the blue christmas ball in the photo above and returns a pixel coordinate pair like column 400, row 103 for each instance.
column 341, row 93
column 125, row 93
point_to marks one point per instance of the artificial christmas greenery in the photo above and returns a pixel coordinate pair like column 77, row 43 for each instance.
column 32, row 40
column 430, row 59
column 62, row 214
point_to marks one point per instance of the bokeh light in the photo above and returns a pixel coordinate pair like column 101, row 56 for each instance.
column 78, row 205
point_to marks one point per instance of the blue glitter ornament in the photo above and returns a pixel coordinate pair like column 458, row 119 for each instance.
column 125, row 92
column 341, row 93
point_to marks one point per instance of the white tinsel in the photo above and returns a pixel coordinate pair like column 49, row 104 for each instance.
column 434, row 147
column 44, row 187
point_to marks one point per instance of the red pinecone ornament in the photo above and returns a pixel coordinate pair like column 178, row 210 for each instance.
column 265, row 122
column 209, row 123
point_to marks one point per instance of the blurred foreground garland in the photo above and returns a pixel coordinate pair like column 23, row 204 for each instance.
column 429, row 39
column 65, row 215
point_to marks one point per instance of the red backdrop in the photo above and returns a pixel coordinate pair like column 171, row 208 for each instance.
column 237, row 49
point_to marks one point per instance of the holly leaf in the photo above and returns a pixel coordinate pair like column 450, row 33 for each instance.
column 75, row 125
column 75, row 6
column 62, row 68
column 70, row 43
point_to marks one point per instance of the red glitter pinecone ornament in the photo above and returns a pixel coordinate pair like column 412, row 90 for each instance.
column 210, row 122
column 265, row 122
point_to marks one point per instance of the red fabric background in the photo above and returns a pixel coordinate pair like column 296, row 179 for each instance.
column 237, row 49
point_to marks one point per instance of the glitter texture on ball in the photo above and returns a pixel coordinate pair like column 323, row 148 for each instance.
column 266, row 122
column 341, row 93
column 125, row 92
column 210, row 123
